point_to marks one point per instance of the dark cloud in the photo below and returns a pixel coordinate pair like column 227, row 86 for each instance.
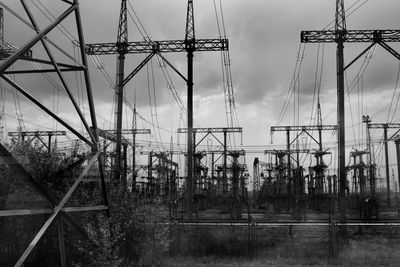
column 264, row 39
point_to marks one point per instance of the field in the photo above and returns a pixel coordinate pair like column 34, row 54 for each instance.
column 356, row 251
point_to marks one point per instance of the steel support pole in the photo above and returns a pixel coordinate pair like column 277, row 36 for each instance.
column 224, row 171
column 49, row 145
column 189, row 180
column 371, row 172
column 289, row 163
column 397, row 142
column 134, row 159
column 385, row 137
column 125, row 157
column 120, row 97
column 61, row 242
column 341, row 127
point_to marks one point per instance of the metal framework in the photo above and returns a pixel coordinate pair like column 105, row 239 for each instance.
column 131, row 131
column 304, row 128
column 212, row 130
column 396, row 140
column 189, row 45
column 320, row 166
column 351, row 36
column 224, row 153
column 55, row 209
column 168, row 46
column 340, row 36
column 385, row 127
column 38, row 133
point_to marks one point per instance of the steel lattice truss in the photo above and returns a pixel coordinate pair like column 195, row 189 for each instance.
column 384, row 125
column 143, row 47
column 212, row 130
column 304, row 128
column 55, row 58
column 38, row 133
column 352, row 36
column 131, row 131
column 285, row 151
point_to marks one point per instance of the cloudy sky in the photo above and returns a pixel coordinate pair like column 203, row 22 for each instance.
column 264, row 38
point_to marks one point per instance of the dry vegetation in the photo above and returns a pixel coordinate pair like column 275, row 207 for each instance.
column 359, row 251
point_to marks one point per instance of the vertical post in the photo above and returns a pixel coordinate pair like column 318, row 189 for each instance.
column 134, row 160
column 190, row 42
column 125, row 167
column 397, row 142
column 289, row 163
column 150, row 173
column 224, row 171
column 189, row 181
column 341, row 125
column 120, row 97
column 212, row 168
column 122, row 43
column 371, row 172
column 387, row 164
column 134, row 126
column 49, row 145
column 61, row 243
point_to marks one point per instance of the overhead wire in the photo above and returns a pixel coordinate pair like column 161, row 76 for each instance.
column 393, row 97
column 293, row 83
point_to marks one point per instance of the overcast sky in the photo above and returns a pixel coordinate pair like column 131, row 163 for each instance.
column 264, row 38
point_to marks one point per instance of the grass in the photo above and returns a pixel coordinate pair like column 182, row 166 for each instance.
column 358, row 251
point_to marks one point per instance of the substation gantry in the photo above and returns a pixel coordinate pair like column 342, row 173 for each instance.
column 385, row 127
column 162, row 174
column 341, row 35
column 189, row 45
column 320, row 167
column 38, row 135
column 224, row 152
column 111, row 135
column 281, row 187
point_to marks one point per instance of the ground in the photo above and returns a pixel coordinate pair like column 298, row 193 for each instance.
column 358, row 251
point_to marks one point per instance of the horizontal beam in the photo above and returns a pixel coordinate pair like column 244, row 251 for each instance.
column 351, row 36
column 22, row 212
column 288, row 223
column 285, row 151
column 130, row 131
column 37, row 133
column 157, row 46
column 383, row 125
column 212, row 130
column 304, row 128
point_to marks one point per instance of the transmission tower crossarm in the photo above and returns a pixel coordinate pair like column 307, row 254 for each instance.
column 304, row 128
column 285, row 151
column 351, row 36
column 166, row 46
column 383, row 125
column 131, row 131
column 37, row 133
column 213, row 130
